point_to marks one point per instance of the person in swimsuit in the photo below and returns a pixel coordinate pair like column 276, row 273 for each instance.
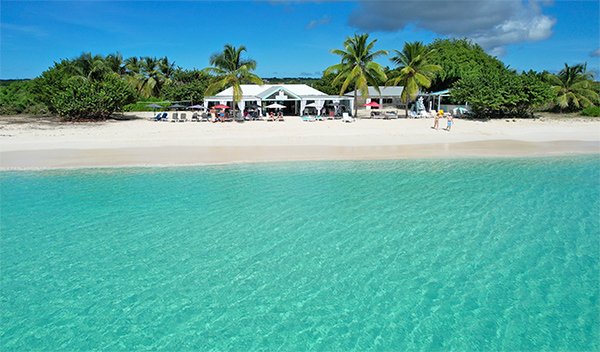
column 436, row 119
column 449, row 123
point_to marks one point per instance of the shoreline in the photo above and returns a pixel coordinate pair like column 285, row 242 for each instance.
column 32, row 145
column 197, row 156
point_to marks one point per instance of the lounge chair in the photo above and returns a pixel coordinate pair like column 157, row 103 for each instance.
column 270, row 117
column 183, row 117
column 347, row 118
column 174, row 117
column 204, row 117
column 158, row 116
column 320, row 118
column 280, row 117
column 390, row 115
column 308, row 118
column 164, row 117
column 195, row 117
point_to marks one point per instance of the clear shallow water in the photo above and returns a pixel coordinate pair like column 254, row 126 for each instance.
column 386, row 255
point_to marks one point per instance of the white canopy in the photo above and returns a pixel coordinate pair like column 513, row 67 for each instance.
column 275, row 106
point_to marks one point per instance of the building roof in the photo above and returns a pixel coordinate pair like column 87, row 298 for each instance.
column 267, row 89
column 385, row 92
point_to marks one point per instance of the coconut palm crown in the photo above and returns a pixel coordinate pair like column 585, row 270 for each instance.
column 413, row 71
column 573, row 87
column 232, row 70
column 357, row 68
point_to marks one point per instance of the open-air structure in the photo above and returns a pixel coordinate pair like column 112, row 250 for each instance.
column 297, row 98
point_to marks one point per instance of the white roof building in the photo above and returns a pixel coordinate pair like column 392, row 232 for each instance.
column 295, row 97
column 385, row 92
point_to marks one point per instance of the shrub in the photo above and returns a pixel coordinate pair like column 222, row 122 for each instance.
column 85, row 99
column 17, row 97
column 593, row 111
column 143, row 105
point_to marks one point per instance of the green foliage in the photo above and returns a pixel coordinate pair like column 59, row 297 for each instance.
column 573, row 88
column 503, row 93
column 17, row 97
column 325, row 84
column 148, row 75
column 85, row 99
column 187, row 85
column 414, row 70
column 593, row 111
column 459, row 58
column 357, row 68
column 231, row 70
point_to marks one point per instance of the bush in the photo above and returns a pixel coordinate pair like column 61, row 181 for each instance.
column 84, row 99
column 593, row 111
column 503, row 93
column 16, row 97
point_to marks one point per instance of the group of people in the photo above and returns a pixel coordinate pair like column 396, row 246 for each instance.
column 438, row 116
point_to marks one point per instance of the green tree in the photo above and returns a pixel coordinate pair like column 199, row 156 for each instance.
column 230, row 69
column 325, row 84
column 357, row 68
column 147, row 75
column 84, row 99
column 503, row 93
column 573, row 88
column 459, row 58
column 17, row 97
column 413, row 70
column 187, row 85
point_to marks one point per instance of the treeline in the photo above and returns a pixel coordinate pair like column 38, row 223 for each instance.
column 95, row 86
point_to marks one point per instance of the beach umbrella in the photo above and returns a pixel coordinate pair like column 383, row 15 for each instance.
column 221, row 106
column 197, row 107
column 275, row 106
column 373, row 104
column 154, row 106
column 311, row 105
column 176, row 106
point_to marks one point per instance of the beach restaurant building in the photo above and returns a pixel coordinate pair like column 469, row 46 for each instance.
column 296, row 98
column 387, row 97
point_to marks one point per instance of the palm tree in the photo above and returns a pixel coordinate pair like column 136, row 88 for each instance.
column 413, row 71
column 357, row 67
column 90, row 67
column 232, row 70
column 115, row 63
column 573, row 87
column 147, row 75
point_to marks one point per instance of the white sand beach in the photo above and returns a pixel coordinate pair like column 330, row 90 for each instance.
column 35, row 144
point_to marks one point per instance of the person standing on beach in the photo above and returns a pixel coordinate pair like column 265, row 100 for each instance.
column 449, row 123
column 436, row 119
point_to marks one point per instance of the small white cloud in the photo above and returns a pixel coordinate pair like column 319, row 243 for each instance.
column 595, row 53
column 320, row 22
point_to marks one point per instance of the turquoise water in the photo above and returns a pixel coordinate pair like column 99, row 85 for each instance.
column 465, row 255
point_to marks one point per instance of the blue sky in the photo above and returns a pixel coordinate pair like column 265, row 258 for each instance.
column 292, row 38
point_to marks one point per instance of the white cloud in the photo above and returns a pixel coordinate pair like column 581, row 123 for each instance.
column 321, row 21
column 595, row 53
column 491, row 23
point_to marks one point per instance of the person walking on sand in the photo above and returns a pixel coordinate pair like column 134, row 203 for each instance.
column 436, row 119
column 449, row 123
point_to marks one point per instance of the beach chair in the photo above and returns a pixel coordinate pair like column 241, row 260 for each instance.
column 280, row 117
column 270, row 117
column 164, row 117
column 158, row 116
column 174, row 117
column 320, row 118
column 183, row 117
column 204, row 117
column 347, row 118
column 195, row 117
column 307, row 118
column 390, row 115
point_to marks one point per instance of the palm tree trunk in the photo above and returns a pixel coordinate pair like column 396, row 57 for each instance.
column 406, row 108
column 355, row 104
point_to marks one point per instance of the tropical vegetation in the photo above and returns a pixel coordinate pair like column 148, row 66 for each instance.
column 413, row 71
column 92, row 87
column 357, row 68
column 231, row 70
column 573, row 88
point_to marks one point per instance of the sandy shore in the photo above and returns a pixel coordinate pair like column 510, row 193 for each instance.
column 38, row 144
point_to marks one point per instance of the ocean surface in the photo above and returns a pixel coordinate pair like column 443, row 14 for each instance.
column 469, row 255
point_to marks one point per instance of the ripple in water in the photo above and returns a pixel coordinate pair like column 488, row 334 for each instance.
column 386, row 255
